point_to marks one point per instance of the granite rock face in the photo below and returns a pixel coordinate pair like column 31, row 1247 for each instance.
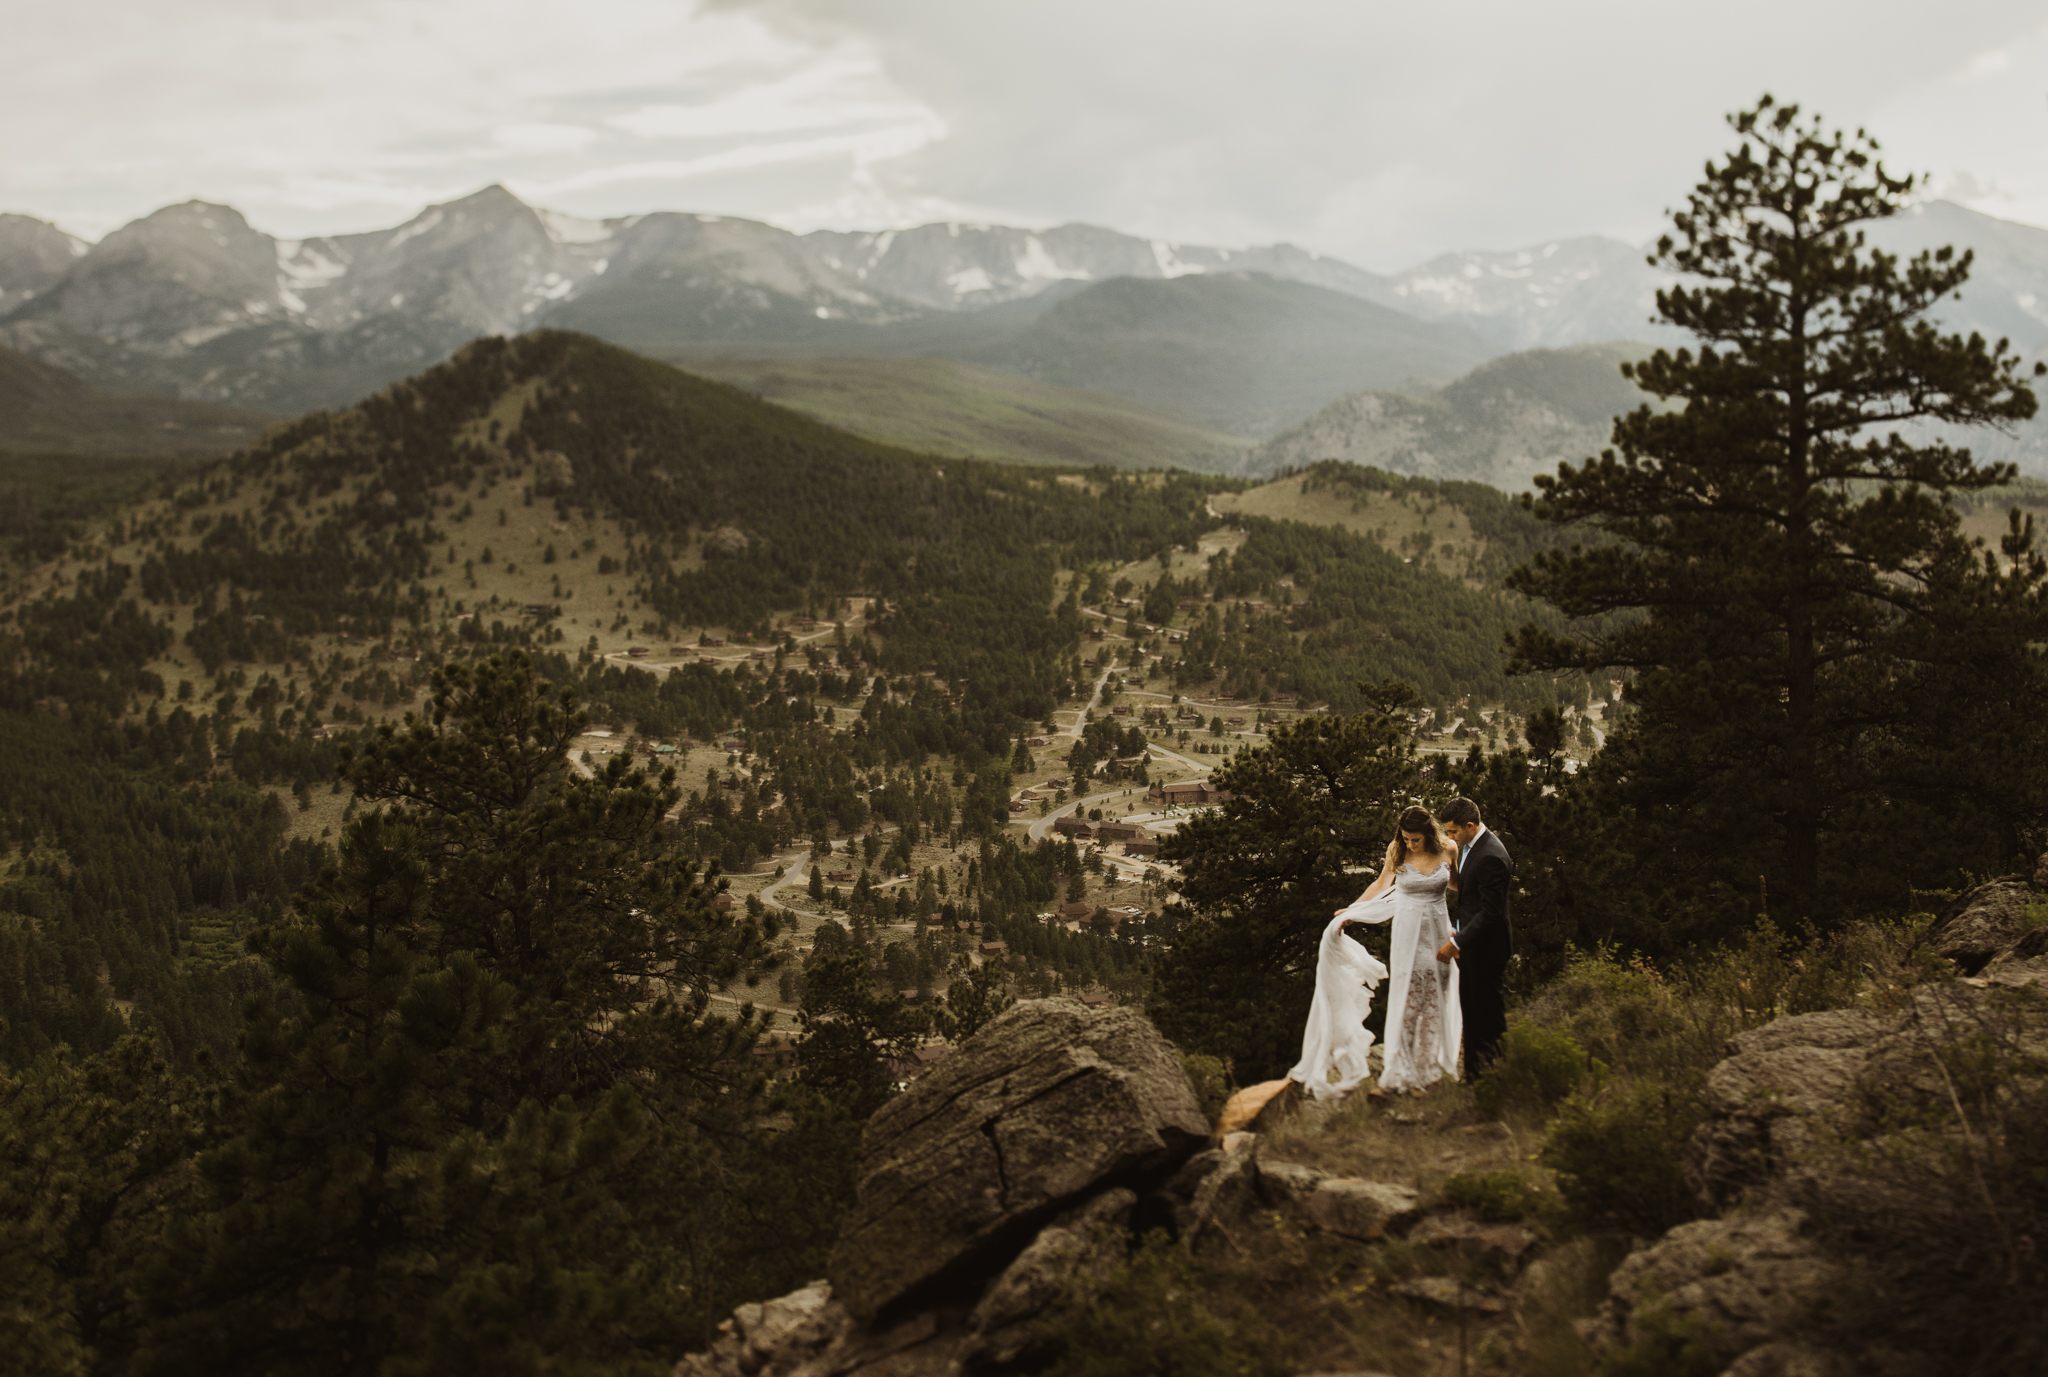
column 1080, row 1247
column 1364, row 1210
column 1783, row 1080
column 1987, row 923
column 1050, row 1104
column 1744, row 1281
column 1759, row 1284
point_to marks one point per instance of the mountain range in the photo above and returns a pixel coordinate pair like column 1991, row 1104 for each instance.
column 1248, row 345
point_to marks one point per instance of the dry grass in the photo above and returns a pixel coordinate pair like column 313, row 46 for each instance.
column 1384, row 517
column 1420, row 1142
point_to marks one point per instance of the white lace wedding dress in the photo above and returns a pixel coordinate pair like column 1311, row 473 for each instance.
column 1335, row 1041
column 1423, row 1022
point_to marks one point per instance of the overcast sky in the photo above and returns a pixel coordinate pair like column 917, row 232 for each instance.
column 1377, row 132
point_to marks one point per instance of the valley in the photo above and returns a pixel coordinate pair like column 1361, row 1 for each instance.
column 828, row 639
column 940, row 406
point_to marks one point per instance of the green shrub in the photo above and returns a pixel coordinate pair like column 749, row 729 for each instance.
column 1666, row 1346
column 1211, row 1081
column 1157, row 1317
column 1539, row 1067
column 1674, row 1025
column 1617, row 1153
column 1499, row 1196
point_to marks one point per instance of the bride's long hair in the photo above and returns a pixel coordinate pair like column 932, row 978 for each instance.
column 1417, row 820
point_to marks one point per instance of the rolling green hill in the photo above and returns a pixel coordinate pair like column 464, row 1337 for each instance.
column 1241, row 352
column 939, row 406
column 629, row 500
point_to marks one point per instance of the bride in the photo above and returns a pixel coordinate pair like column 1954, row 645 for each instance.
column 1423, row 1025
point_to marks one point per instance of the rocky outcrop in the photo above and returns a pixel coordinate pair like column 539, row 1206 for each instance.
column 1498, row 1248
column 1765, row 1101
column 1736, row 1284
column 998, row 1193
column 1079, row 1248
column 1050, row 1104
column 1991, row 923
column 991, row 1195
column 1786, row 1108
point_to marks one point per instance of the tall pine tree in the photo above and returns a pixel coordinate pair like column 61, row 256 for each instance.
column 1795, row 593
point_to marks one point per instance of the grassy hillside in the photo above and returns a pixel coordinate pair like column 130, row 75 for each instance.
column 1505, row 421
column 1468, row 531
column 940, row 406
column 45, row 410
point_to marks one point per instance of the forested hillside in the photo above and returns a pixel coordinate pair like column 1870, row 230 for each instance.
column 45, row 410
column 679, row 634
column 560, row 495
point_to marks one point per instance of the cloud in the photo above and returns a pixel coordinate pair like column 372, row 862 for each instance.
column 543, row 138
column 1380, row 133
column 1979, row 129
column 326, row 116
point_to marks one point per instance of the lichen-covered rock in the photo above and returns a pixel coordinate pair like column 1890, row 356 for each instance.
column 1050, row 1103
column 1499, row 1247
column 1764, row 1100
column 1288, row 1184
column 1226, row 1198
column 1737, row 1283
column 1786, row 1359
column 1079, row 1247
column 1984, row 924
column 773, row 1337
column 1364, row 1210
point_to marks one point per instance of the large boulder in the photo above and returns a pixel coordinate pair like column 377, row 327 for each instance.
column 1989, row 922
column 1367, row 1211
column 1078, row 1250
column 1764, row 1102
column 1051, row 1103
column 774, row 1336
column 1737, row 1284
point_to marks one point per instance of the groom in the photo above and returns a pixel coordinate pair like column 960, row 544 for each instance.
column 1484, row 941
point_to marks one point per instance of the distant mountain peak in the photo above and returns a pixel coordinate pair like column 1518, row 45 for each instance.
column 34, row 256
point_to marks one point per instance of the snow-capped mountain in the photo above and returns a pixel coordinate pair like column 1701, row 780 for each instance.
column 952, row 266
column 34, row 256
column 1570, row 291
column 193, row 301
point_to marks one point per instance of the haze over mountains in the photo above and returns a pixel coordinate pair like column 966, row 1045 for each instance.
column 1269, row 347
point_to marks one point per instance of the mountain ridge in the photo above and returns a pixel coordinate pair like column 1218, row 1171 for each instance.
column 192, row 301
column 1507, row 420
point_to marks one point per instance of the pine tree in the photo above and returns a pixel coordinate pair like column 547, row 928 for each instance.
column 566, row 889
column 475, row 1140
column 1783, row 546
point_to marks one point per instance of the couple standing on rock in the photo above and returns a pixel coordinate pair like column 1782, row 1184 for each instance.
column 1446, row 981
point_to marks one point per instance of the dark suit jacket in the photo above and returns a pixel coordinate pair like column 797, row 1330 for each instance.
column 1484, row 883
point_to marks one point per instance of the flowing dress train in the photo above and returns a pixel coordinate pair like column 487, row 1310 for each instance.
column 1423, row 1021
column 1335, row 1041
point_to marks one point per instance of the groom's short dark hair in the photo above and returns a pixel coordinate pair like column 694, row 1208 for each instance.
column 1462, row 811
